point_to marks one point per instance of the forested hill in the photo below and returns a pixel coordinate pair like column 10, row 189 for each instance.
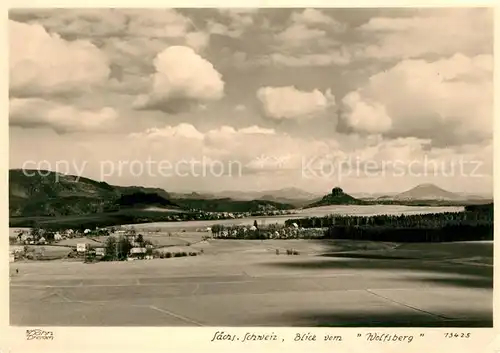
column 34, row 193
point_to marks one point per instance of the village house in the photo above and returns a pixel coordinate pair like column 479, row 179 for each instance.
column 27, row 239
column 137, row 253
column 82, row 247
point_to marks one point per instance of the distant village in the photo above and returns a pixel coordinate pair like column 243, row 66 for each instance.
column 92, row 244
column 125, row 243
column 197, row 215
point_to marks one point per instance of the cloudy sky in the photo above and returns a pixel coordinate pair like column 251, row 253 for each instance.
column 372, row 100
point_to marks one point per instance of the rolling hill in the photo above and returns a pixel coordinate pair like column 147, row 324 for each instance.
column 51, row 194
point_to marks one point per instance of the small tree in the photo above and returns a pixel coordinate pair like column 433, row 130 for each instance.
column 123, row 248
column 36, row 233
column 111, row 248
column 49, row 236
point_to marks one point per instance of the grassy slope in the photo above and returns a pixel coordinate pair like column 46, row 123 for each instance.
column 68, row 201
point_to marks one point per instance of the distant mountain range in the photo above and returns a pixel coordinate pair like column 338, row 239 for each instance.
column 431, row 192
column 423, row 194
column 55, row 194
column 291, row 193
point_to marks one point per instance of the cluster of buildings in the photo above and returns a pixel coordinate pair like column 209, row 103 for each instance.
column 138, row 250
column 237, row 215
column 43, row 236
column 270, row 232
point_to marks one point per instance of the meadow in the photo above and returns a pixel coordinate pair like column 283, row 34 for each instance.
column 247, row 283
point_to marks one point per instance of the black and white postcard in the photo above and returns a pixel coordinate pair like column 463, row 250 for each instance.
column 316, row 174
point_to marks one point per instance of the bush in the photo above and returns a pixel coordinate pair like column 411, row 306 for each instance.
column 162, row 255
column 188, row 244
column 177, row 254
column 184, row 253
column 288, row 252
column 277, row 252
column 202, row 251
column 295, row 252
column 193, row 254
column 168, row 255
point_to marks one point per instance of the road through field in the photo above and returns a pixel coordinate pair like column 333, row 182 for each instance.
column 252, row 286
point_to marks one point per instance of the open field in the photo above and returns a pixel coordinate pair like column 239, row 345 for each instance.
column 244, row 283
column 352, row 210
column 74, row 241
column 176, row 238
column 46, row 252
column 13, row 232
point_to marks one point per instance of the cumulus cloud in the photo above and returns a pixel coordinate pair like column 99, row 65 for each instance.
column 298, row 33
column 190, row 131
column 309, row 39
column 227, row 143
column 233, row 22
column 181, row 130
column 42, row 63
column 37, row 112
column 254, row 129
column 240, row 17
column 268, row 152
column 102, row 23
column 129, row 38
column 214, row 27
column 197, row 40
column 182, row 79
column 276, row 157
column 314, row 17
column 448, row 101
column 161, row 23
column 441, row 31
column 75, row 22
column 290, row 103
column 337, row 57
column 365, row 115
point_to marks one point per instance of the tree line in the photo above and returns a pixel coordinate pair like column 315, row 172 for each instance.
column 475, row 223
column 432, row 220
